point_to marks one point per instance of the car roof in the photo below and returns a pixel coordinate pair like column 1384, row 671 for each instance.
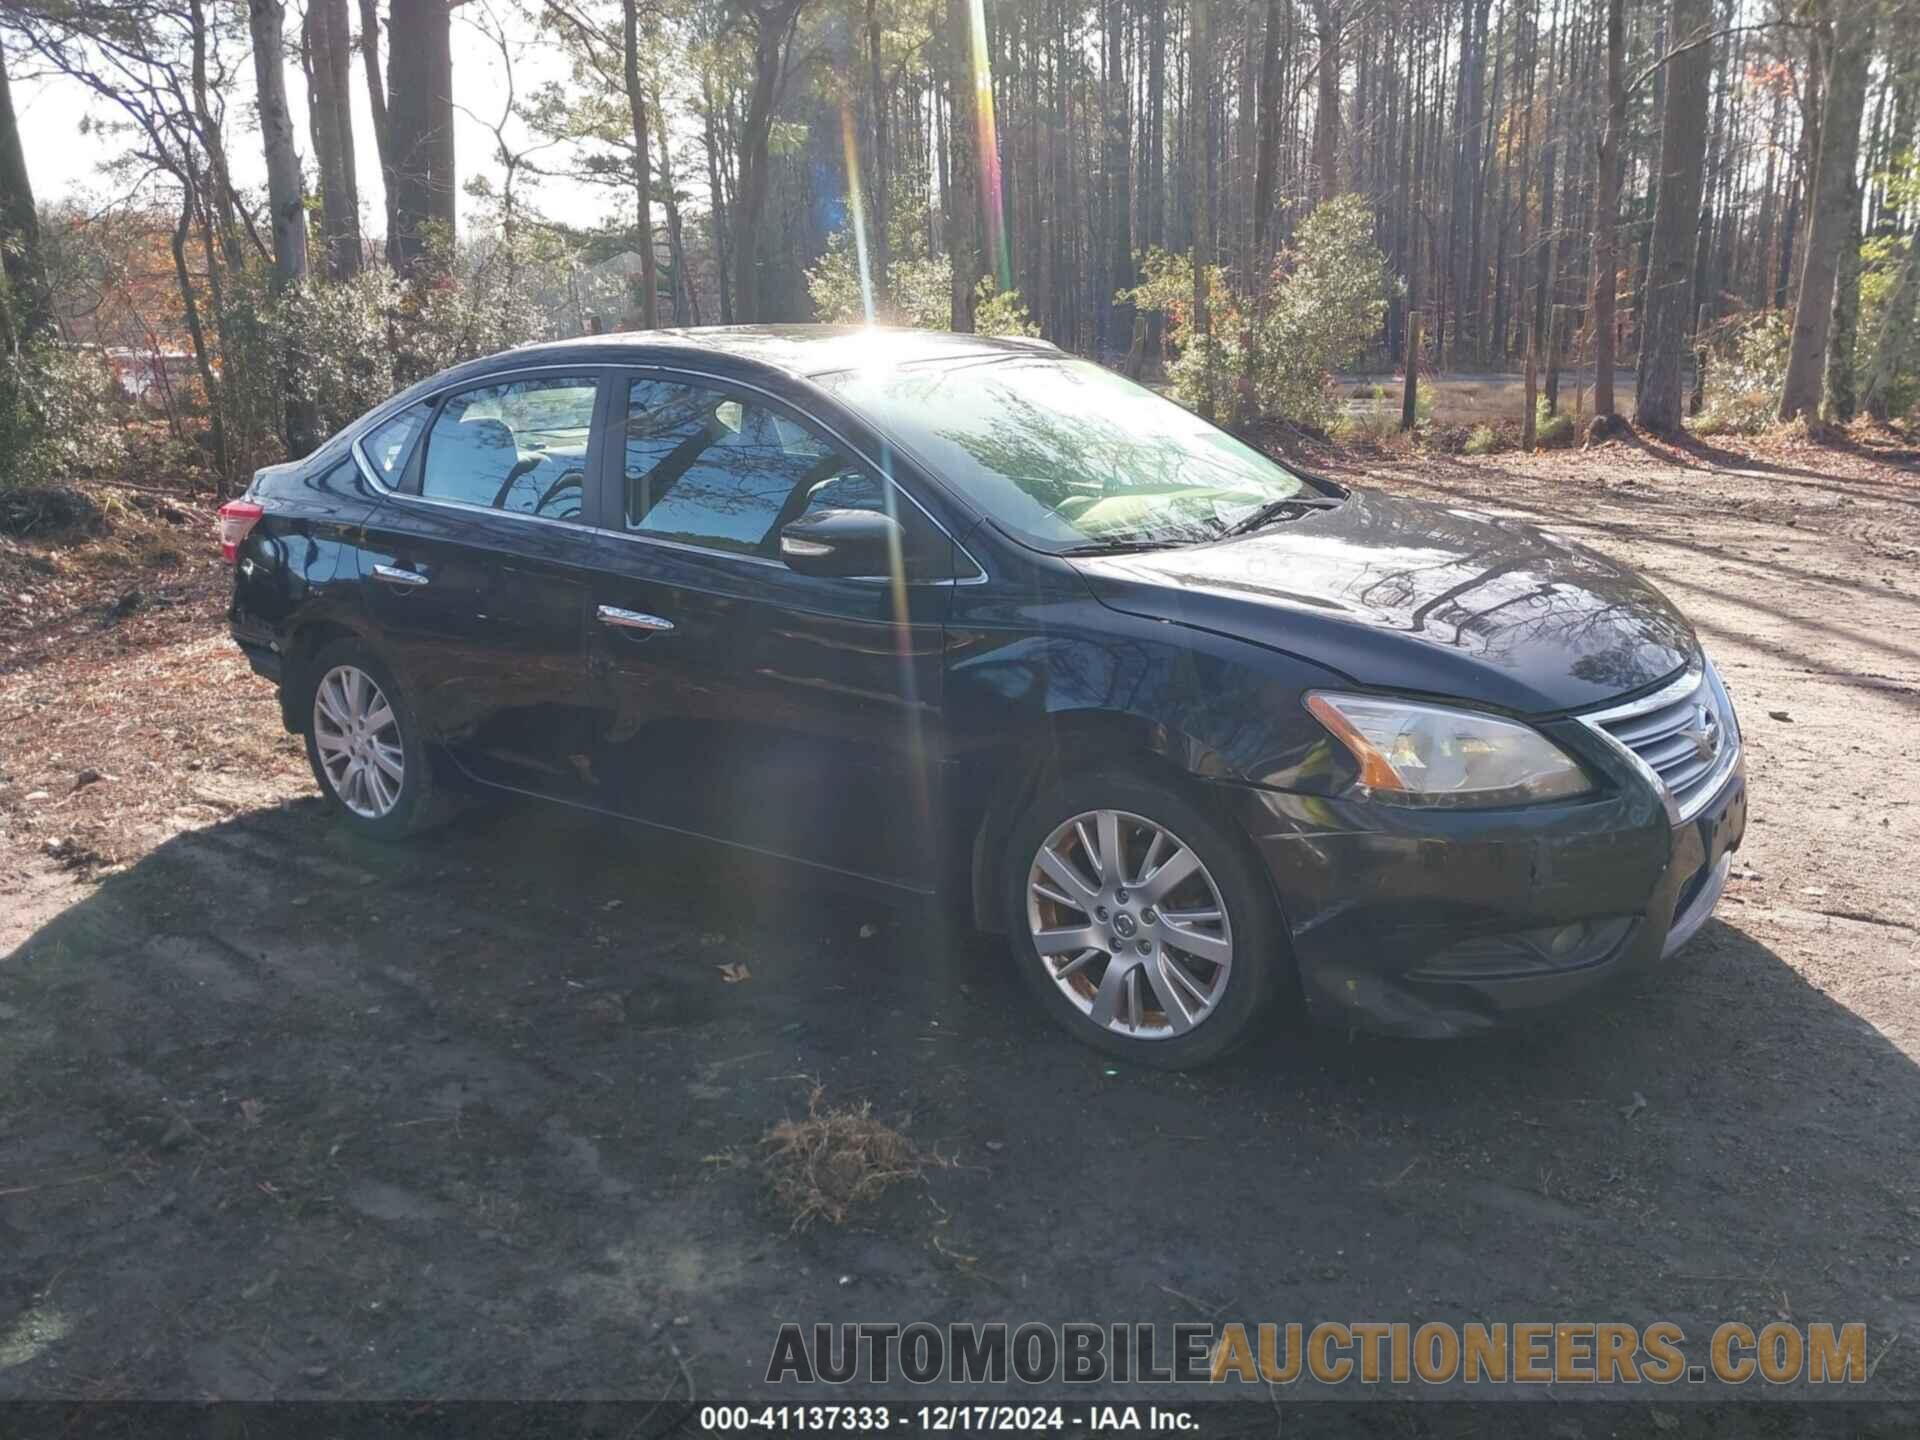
column 797, row 350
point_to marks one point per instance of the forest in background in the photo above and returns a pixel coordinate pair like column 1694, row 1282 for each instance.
column 1714, row 199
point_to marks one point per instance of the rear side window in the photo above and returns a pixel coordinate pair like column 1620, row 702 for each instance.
column 520, row 446
column 389, row 444
column 721, row 471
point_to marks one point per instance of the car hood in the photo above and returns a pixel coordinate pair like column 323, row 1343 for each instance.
column 1411, row 596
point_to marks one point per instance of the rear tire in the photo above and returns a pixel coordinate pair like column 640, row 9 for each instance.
column 363, row 742
column 1169, row 957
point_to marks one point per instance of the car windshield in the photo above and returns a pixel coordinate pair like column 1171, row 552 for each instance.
column 1064, row 454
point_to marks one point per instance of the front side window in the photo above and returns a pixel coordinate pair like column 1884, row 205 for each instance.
column 1063, row 453
column 723, row 472
column 520, row 446
column 388, row 444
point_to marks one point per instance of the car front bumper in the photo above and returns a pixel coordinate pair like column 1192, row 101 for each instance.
column 1438, row 924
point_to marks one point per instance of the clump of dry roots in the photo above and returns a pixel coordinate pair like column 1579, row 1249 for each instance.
column 835, row 1158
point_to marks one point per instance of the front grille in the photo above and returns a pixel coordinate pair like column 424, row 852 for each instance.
column 1685, row 734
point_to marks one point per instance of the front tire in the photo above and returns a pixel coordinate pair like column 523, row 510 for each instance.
column 1142, row 924
column 363, row 742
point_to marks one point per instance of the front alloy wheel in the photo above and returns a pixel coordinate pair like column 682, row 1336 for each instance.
column 1130, row 924
column 358, row 740
column 1141, row 918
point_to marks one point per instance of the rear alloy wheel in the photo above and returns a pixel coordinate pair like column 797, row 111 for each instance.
column 363, row 745
column 1141, row 923
column 358, row 738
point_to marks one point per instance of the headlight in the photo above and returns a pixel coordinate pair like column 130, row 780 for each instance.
column 1413, row 754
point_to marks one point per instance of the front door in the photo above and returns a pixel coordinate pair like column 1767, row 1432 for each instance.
column 478, row 578
column 796, row 715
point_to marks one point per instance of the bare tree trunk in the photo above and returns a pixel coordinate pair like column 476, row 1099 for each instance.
column 1841, row 398
column 717, row 223
column 1116, row 172
column 443, row 178
column 330, row 107
column 225, row 207
column 1268, row 144
column 1547, row 239
column 1202, row 66
column 1676, row 216
column 642, row 164
column 382, row 128
column 773, row 24
column 1410, row 382
column 1466, row 177
column 961, row 139
column 28, row 312
column 190, row 307
column 1529, row 417
column 1896, row 334
column 409, row 173
column 684, row 300
column 284, row 193
column 1326, row 115
column 1606, row 219
column 881, row 198
column 1156, row 180
column 1828, row 226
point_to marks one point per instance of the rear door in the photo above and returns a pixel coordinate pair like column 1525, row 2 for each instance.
column 476, row 570
column 793, row 714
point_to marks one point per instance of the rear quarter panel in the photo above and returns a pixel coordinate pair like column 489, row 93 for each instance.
column 300, row 563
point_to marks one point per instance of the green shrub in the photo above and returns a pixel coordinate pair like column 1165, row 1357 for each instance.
column 482, row 299
column 344, row 346
column 341, row 342
column 1352, row 428
column 1327, row 295
column 1484, row 440
column 919, row 288
column 1422, row 405
column 58, row 416
column 1551, row 431
column 1001, row 312
column 1747, row 361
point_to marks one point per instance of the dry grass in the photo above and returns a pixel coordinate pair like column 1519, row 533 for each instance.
column 837, row 1157
column 126, row 714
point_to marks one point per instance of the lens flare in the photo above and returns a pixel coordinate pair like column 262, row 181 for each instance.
column 987, row 149
column 856, row 204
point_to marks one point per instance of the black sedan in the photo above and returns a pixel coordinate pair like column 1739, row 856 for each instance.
column 942, row 614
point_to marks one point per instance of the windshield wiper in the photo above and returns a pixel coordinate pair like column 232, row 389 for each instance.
column 1276, row 510
column 1126, row 547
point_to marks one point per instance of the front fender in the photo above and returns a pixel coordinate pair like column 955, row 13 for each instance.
column 1215, row 707
column 1063, row 682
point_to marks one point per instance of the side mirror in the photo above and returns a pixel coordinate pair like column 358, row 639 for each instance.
column 842, row 543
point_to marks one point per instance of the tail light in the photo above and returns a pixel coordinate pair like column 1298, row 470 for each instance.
column 237, row 518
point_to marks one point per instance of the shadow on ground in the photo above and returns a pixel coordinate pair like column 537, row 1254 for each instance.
column 281, row 1115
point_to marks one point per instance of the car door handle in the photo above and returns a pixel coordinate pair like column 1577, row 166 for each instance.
column 394, row 575
column 633, row 620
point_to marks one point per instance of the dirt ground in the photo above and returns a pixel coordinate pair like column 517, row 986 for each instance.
column 282, row 1115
